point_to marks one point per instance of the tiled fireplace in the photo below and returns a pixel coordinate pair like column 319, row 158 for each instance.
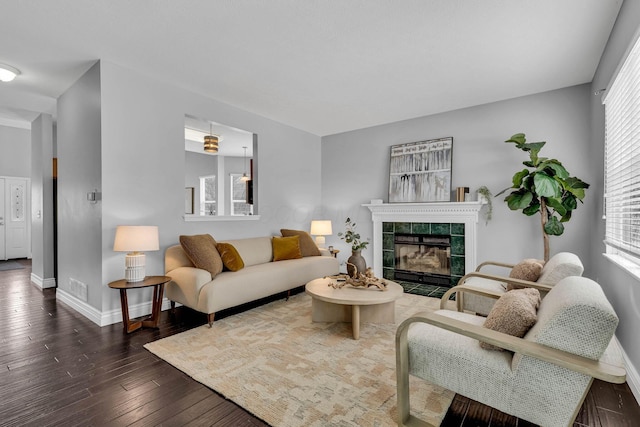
column 431, row 243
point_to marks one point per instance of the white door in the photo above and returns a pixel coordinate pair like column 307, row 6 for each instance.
column 3, row 254
column 17, row 211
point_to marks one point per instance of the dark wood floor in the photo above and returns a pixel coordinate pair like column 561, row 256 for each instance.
column 62, row 369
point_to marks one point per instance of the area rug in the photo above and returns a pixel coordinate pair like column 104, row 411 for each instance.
column 277, row 364
column 10, row 265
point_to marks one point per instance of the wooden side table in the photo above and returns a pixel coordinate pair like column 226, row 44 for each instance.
column 158, row 290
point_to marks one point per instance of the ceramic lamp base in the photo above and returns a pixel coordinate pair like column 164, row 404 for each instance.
column 134, row 267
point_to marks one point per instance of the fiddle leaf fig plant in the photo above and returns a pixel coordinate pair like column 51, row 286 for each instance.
column 544, row 186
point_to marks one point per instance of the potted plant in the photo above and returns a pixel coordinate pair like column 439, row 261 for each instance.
column 356, row 263
column 544, row 186
column 484, row 196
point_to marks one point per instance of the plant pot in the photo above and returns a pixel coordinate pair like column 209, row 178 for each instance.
column 359, row 264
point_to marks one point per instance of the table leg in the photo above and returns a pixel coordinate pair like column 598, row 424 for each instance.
column 128, row 325
column 156, row 307
column 355, row 321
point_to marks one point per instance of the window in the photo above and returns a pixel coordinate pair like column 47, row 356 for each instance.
column 239, row 205
column 622, row 164
column 208, row 195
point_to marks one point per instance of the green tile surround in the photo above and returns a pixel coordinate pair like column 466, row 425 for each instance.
column 456, row 230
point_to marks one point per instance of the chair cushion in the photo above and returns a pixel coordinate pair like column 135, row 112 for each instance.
column 527, row 269
column 230, row 256
column 201, row 250
column 576, row 317
column 514, row 314
column 559, row 266
column 286, row 248
column 307, row 246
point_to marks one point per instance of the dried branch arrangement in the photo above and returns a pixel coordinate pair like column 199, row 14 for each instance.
column 361, row 280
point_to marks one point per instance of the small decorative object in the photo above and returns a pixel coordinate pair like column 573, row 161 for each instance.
column 461, row 194
column 330, row 248
column 421, row 171
column 359, row 280
column 484, row 197
column 546, row 188
column 355, row 262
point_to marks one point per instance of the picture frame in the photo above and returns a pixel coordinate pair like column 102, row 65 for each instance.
column 188, row 200
column 421, row 171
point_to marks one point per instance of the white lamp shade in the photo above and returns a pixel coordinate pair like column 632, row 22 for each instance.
column 321, row 227
column 136, row 238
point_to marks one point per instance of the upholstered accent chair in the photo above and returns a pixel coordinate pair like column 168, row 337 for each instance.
column 477, row 291
column 543, row 378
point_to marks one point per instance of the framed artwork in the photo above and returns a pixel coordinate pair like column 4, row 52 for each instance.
column 421, row 171
column 188, row 200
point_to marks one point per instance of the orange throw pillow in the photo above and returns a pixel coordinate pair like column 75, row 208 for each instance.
column 307, row 246
column 286, row 248
column 230, row 256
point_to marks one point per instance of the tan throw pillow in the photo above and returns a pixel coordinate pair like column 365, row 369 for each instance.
column 286, row 248
column 201, row 250
column 528, row 269
column 307, row 246
column 230, row 256
column 514, row 314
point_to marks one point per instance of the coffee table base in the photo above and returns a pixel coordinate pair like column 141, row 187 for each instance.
column 322, row 311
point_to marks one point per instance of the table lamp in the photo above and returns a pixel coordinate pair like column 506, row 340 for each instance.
column 134, row 239
column 321, row 228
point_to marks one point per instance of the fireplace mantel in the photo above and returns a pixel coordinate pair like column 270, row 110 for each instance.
column 453, row 212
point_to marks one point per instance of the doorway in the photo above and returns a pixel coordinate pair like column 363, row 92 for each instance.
column 15, row 226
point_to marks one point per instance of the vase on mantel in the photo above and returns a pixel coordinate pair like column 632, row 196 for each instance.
column 358, row 261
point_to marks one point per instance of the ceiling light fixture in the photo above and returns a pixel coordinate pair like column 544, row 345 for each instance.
column 211, row 141
column 8, row 73
column 244, row 177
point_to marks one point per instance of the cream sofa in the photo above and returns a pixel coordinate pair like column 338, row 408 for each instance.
column 260, row 277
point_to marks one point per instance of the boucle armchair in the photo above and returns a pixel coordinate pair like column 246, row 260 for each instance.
column 477, row 291
column 547, row 377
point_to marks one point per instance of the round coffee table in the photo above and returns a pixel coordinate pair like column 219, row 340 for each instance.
column 355, row 305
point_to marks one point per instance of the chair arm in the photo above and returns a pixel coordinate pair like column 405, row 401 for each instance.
column 463, row 287
column 583, row 365
column 495, row 263
column 466, row 288
column 524, row 283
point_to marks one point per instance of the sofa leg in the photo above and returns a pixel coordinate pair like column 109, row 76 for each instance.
column 172, row 310
column 288, row 295
column 210, row 318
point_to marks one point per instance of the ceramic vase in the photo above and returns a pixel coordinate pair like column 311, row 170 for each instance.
column 359, row 262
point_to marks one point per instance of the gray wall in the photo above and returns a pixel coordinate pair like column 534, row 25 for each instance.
column 197, row 165
column 123, row 133
column 622, row 289
column 15, row 152
column 79, row 171
column 355, row 168
column 42, row 199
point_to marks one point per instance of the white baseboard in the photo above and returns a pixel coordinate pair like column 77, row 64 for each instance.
column 138, row 310
column 108, row 317
column 633, row 379
column 80, row 306
column 43, row 283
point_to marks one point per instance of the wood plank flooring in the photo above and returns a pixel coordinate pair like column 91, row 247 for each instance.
column 60, row 369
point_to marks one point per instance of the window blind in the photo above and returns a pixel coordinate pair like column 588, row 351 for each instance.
column 622, row 159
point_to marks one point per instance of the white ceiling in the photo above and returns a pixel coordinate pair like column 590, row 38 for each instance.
column 321, row 66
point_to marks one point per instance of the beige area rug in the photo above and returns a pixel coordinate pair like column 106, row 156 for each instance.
column 277, row 364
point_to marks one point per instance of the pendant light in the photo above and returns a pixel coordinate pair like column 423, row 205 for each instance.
column 211, row 141
column 245, row 178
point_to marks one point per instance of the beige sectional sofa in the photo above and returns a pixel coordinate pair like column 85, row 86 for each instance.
column 260, row 277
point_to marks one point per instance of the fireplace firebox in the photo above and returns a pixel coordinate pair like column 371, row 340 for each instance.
column 423, row 258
